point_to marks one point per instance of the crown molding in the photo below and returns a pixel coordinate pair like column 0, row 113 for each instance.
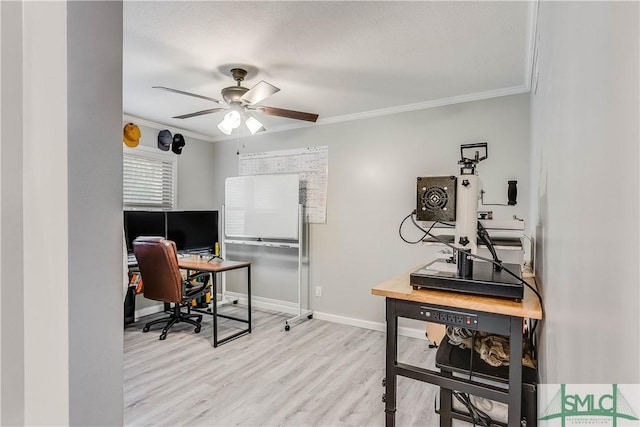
column 427, row 104
column 160, row 126
column 479, row 96
column 531, row 43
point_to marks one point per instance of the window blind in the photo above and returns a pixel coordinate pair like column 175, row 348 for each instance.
column 148, row 181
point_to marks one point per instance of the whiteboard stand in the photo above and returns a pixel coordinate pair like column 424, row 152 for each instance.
column 223, row 286
column 303, row 314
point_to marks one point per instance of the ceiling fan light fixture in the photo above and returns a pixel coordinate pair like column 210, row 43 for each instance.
column 224, row 128
column 253, row 124
column 232, row 119
column 230, row 122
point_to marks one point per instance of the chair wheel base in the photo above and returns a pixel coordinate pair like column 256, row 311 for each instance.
column 163, row 336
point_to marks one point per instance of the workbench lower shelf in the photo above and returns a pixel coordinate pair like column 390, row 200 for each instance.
column 455, row 361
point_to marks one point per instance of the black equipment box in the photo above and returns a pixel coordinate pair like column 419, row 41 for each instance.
column 484, row 280
column 436, row 198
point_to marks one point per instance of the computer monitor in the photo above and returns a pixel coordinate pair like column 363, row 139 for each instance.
column 193, row 230
column 143, row 223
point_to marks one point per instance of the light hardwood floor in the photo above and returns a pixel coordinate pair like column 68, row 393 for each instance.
column 317, row 374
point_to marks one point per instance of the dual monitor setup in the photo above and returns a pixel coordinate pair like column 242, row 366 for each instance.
column 192, row 231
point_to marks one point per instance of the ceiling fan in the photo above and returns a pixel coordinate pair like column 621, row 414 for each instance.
column 242, row 102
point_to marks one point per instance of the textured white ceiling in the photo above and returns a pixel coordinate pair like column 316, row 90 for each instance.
column 339, row 59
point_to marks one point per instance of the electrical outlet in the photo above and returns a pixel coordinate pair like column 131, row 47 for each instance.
column 318, row 291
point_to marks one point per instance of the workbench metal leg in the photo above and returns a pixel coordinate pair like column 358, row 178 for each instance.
column 214, row 300
column 515, row 372
column 391, row 374
column 249, row 294
column 445, row 404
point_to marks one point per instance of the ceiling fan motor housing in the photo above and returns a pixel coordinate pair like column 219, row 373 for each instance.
column 233, row 93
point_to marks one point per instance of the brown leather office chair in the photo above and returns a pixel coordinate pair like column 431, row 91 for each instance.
column 158, row 263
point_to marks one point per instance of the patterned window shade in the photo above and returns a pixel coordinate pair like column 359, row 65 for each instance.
column 148, row 181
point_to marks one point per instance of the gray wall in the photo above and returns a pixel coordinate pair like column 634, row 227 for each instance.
column 584, row 121
column 373, row 164
column 11, row 224
column 94, row 37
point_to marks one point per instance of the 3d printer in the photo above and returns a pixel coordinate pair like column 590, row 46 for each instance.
column 455, row 198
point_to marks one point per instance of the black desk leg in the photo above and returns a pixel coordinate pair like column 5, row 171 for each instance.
column 391, row 374
column 249, row 294
column 214, row 297
column 515, row 372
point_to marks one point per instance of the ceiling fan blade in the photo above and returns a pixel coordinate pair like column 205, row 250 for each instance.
column 168, row 89
column 199, row 113
column 261, row 91
column 280, row 112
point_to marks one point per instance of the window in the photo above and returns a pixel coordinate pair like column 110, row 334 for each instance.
column 149, row 179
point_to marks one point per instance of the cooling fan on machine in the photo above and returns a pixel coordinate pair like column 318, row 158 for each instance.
column 242, row 103
column 436, row 198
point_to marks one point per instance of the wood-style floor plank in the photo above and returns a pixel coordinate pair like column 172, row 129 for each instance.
column 317, row 374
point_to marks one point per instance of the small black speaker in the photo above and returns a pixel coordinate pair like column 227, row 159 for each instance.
column 436, row 198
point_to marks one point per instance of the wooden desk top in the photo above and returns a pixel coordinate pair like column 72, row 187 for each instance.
column 399, row 288
column 214, row 266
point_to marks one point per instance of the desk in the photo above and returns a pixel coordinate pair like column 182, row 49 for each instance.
column 219, row 267
column 493, row 315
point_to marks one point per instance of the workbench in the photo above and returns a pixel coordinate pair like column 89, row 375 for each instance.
column 494, row 315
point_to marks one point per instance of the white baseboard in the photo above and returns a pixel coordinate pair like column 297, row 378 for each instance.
column 367, row 324
column 152, row 309
column 266, row 303
column 292, row 308
column 288, row 307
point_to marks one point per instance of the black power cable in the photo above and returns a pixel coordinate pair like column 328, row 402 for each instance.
column 486, row 239
column 426, row 232
column 478, row 417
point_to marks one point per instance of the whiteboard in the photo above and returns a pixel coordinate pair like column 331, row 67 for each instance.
column 262, row 206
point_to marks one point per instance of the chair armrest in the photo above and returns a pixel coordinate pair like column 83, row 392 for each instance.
column 199, row 274
column 191, row 292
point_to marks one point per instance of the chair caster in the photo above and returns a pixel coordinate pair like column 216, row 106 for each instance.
column 197, row 329
column 235, row 301
column 384, row 382
column 145, row 329
column 163, row 336
column 310, row 316
column 287, row 327
column 384, row 398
